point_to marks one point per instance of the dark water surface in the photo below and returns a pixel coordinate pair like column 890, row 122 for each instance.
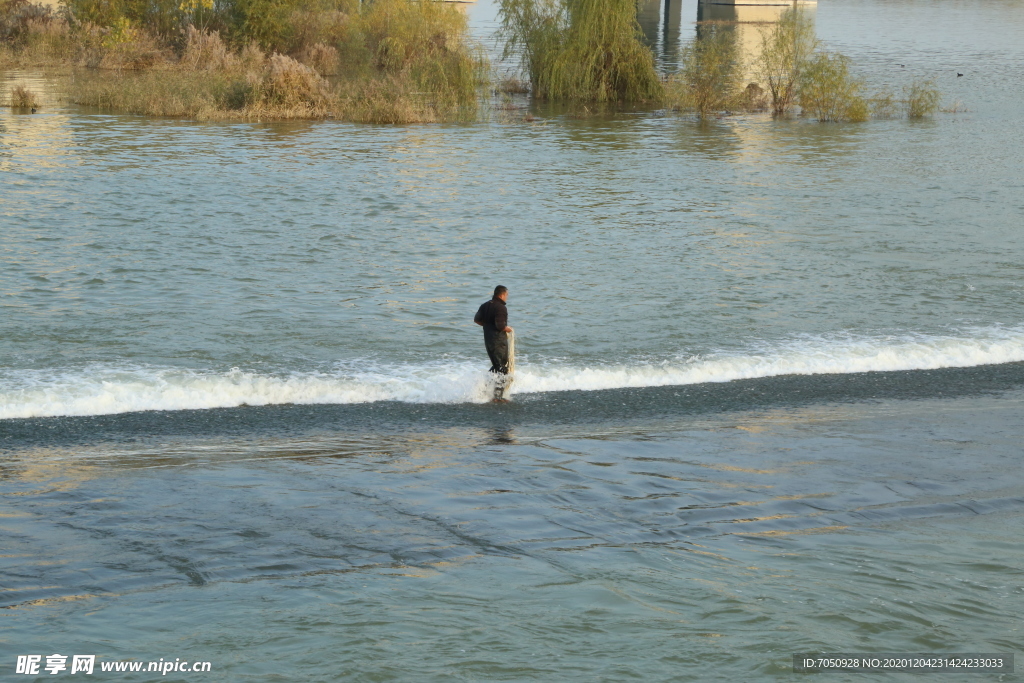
column 768, row 400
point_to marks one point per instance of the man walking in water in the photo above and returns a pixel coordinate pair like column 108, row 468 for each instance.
column 493, row 317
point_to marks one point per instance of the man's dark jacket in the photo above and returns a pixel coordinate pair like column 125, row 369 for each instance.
column 492, row 315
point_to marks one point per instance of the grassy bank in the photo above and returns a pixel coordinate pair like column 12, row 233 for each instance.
column 406, row 61
column 386, row 61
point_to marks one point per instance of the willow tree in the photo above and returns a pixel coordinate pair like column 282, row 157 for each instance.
column 786, row 48
column 580, row 50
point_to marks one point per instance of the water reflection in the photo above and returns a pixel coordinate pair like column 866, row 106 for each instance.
column 37, row 139
column 709, row 139
column 501, row 436
column 660, row 21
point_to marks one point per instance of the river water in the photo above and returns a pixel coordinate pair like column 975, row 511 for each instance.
column 769, row 391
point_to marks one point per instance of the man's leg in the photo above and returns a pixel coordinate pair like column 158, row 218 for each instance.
column 497, row 351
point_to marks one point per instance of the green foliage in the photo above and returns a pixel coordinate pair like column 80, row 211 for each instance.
column 278, row 25
column 828, row 91
column 785, row 49
column 533, row 31
column 922, row 99
column 265, row 22
column 422, row 43
column 120, row 32
column 161, row 17
column 710, row 74
column 239, row 94
column 581, row 50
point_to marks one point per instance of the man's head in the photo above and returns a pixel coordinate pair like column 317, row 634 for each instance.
column 501, row 292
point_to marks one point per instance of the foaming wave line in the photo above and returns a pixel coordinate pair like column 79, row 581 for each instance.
column 809, row 355
column 102, row 389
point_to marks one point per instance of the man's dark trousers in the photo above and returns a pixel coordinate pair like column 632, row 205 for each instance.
column 497, row 349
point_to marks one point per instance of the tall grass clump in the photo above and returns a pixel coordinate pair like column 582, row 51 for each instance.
column 290, row 85
column 709, row 80
column 786, row 48
column 828, row 91
column 922, row 99
column 205, row 51
column 23, row 98
column 581, row 50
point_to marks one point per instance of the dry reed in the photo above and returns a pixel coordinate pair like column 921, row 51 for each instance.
column 23, row 98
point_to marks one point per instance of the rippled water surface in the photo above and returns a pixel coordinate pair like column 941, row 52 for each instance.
column 768, row 395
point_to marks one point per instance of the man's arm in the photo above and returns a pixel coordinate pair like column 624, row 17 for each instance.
column 501, row 320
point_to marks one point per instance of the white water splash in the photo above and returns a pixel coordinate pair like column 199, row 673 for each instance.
column 103, row 389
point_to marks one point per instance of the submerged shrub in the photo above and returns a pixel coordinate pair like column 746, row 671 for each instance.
column 754, row 98
column 386, row 101
column 785, row 49
column 23, row 98
column 956, row 107
column 884, row 105
column 581, row 50
column 922, row 99
column 828, row 91
column 710, row 73
column 512, row 86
